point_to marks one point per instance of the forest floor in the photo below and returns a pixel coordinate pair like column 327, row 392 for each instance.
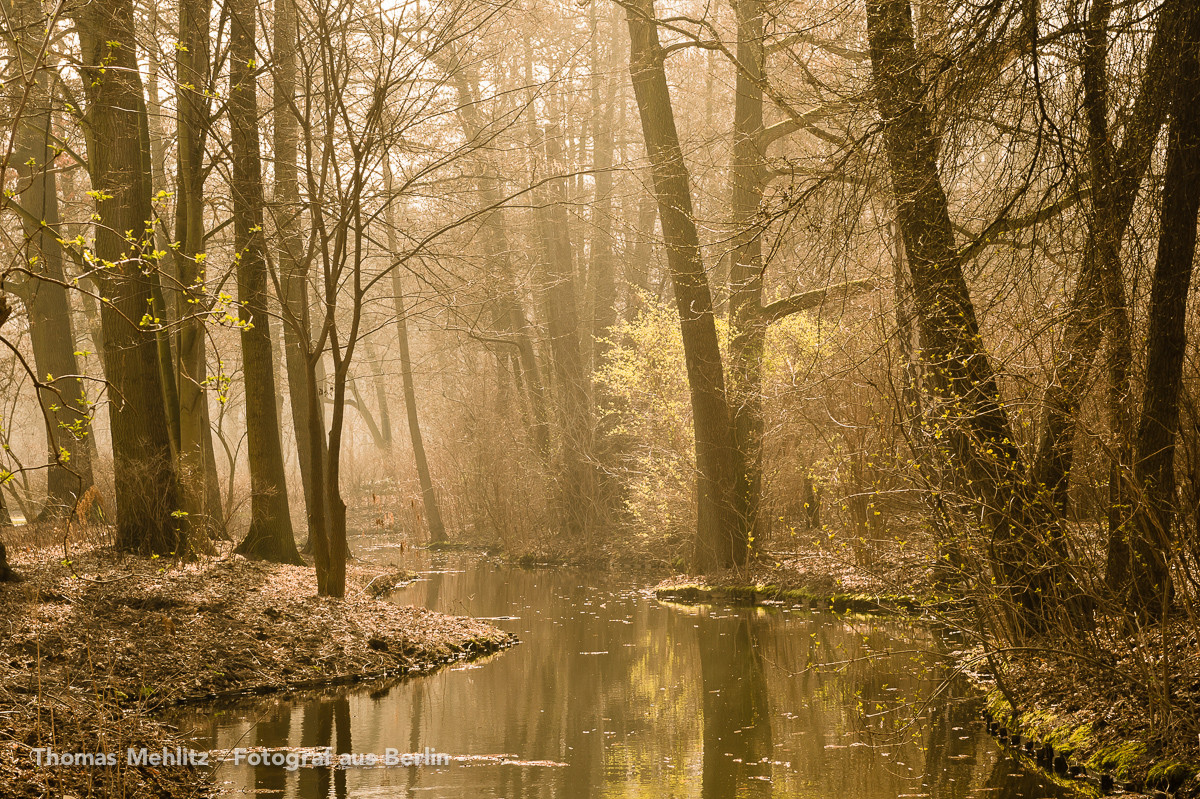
column 96, row 644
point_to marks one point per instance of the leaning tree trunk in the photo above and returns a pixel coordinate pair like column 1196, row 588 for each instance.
column 982, row 461
column 1153, row 528
column 147, row 490
column 270, row 535
column 51, row 331
column 721, row 535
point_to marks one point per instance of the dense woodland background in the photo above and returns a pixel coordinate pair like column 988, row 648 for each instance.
column 680, row 282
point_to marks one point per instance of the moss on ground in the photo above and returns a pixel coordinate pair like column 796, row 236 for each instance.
column 1121, row 760
column 1169, row 775
column 699, row 593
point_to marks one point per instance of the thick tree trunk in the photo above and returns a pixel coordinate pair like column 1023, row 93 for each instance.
column 1153, row 528
column 747, row 324
column 721, row 535
column 982, row 462
column 270, row 535
column 147, row 490
column 51, row 331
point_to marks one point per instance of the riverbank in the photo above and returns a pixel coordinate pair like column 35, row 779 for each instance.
column 1107, row 711
column 1119, row 713
column 893, row 582
column 96, row 644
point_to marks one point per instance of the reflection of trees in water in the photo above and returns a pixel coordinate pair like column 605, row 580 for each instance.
column 269, row 731
column 737, row 714
column 1008, row 781
column 325, row 722
column 680, row 690
column 414, row 736
column 950, row 748
column 343, row 744
column 316, row 729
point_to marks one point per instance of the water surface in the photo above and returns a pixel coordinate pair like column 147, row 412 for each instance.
column 614, row 694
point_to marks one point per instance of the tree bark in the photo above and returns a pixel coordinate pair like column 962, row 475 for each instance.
column 721, row 535
column 147, row 490
column 51, row 331
column 270, row 535
column 1153, row 528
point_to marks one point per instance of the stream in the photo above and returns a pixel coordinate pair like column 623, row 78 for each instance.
column 613, row 693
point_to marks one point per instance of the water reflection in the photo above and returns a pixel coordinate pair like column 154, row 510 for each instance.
column 737, row 716
column 613, row 694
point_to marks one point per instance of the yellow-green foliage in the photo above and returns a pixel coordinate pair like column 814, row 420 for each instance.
column 645, row 378
column 999, row 707
column 1169, row 775
column 1120, row 760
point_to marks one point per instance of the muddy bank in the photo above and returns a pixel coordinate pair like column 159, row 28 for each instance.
column 96, row 644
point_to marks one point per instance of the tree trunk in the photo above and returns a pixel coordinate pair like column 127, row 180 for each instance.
column 293, row 271
column 1153, row 528
column 637, row 265
column 433, row 513
column 576, row 490
column 318, row 516
column 1098, row 292
column 511, row 309
column 602, row 273
column 51, row 331
column 147, row 490
column 381, row 399
column 201, row 494
column 721, row 536
column 747, row 324
column 270, row 535
column 982, row 459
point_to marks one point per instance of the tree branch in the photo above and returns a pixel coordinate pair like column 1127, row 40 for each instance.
column 808, row 300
